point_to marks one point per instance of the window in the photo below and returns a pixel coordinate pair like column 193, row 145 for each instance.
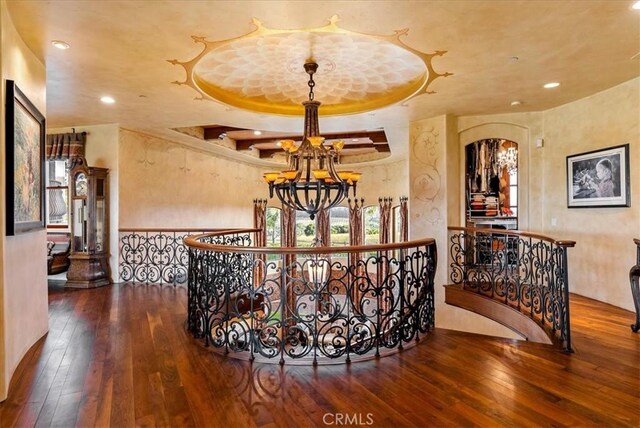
column 57, row 205
column 396, row 221
column 339, row 224
column 273, row 223
column 305, row 229
column 513, row 192
column 371, row 219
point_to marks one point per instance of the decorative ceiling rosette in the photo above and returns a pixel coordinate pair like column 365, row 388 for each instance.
column 261, row 71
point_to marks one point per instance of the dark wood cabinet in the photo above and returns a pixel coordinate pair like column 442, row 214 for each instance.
column 89, row 190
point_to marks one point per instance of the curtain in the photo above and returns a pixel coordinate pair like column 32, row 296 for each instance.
column 323, row 229
column 383, row 266
column 404, row 219
column 356, row 269
column 259, row 222
column 385, row 220
column 288, row 240
column 356, row 236
column 288, row 226
column 66, row 146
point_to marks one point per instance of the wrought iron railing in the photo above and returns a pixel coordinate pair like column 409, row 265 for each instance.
column 308, row 304
column 153, row 256
column 526, row 271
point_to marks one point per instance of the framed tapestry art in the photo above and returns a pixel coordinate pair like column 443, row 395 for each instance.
column 599, row 178
column 25, row 135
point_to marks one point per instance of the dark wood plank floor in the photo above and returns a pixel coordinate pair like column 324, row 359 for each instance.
column 119, row 356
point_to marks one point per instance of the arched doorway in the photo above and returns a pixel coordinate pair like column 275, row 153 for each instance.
column 491, row 183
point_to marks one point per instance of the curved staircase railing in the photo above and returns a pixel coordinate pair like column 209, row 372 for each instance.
column 525, row 271
column 308, row 305
column 155, row 255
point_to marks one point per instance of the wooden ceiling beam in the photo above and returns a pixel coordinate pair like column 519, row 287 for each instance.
column 214, row 132
column 382, row 148
column 374, row 136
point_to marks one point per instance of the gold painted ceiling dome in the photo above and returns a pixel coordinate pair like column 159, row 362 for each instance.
column 261, row 70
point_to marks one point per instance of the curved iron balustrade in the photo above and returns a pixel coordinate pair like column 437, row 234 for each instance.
column 523, row 270
column 308, row 305
column 155, row 256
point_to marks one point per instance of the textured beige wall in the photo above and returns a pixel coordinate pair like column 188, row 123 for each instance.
column 164, row 184
column 433, row 151
column 102, row 151
column 385, row 180
column 599, row 264
column 23, row 258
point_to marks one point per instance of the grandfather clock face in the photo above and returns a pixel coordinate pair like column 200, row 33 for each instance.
column 81, row 184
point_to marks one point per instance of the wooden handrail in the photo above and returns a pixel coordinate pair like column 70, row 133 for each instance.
column 175, row 229
column 193, row 242
column 559, row 243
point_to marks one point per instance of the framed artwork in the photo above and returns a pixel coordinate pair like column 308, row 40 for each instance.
column 599, row 178
column 25, row 136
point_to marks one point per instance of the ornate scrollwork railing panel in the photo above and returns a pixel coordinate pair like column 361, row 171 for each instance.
column 307, row 304
column 525, row 271
column 153, row 256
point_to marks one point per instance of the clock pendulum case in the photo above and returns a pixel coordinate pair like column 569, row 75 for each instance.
column 89, row 227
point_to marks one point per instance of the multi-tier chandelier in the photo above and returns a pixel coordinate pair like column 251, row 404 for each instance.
column 508, row 159
column 311, row 183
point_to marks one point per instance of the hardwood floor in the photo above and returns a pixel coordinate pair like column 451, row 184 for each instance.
column 119, row 356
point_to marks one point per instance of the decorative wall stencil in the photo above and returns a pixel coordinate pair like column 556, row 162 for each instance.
column 146, row 161
column 184, row 168
column 428, row 183
column 386, row 178
column 426, row 186
column 433, row 217
column 424, row 146
column 261, row 71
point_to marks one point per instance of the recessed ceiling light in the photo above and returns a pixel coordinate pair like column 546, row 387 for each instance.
column 107, row 99
column 60, row 44
column 515, row 103
column 514, row 59
column 279, row 144
column 551, row 85
column 636, row 5
column 257, row 132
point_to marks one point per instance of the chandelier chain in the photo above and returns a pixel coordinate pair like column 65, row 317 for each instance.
column 311, row 85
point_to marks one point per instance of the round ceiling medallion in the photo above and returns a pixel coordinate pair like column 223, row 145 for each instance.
column 263, row 70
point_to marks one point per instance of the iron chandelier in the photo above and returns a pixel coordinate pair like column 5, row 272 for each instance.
column 311, row 183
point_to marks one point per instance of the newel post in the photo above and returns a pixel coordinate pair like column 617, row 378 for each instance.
column 565, row 277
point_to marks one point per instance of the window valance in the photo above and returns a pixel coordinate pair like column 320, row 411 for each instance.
column 69, row 146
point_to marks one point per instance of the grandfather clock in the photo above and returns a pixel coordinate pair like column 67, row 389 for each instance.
column 89, row 256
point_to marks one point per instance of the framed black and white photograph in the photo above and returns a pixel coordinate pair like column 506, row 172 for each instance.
column 599, row 178
column 25, row 134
